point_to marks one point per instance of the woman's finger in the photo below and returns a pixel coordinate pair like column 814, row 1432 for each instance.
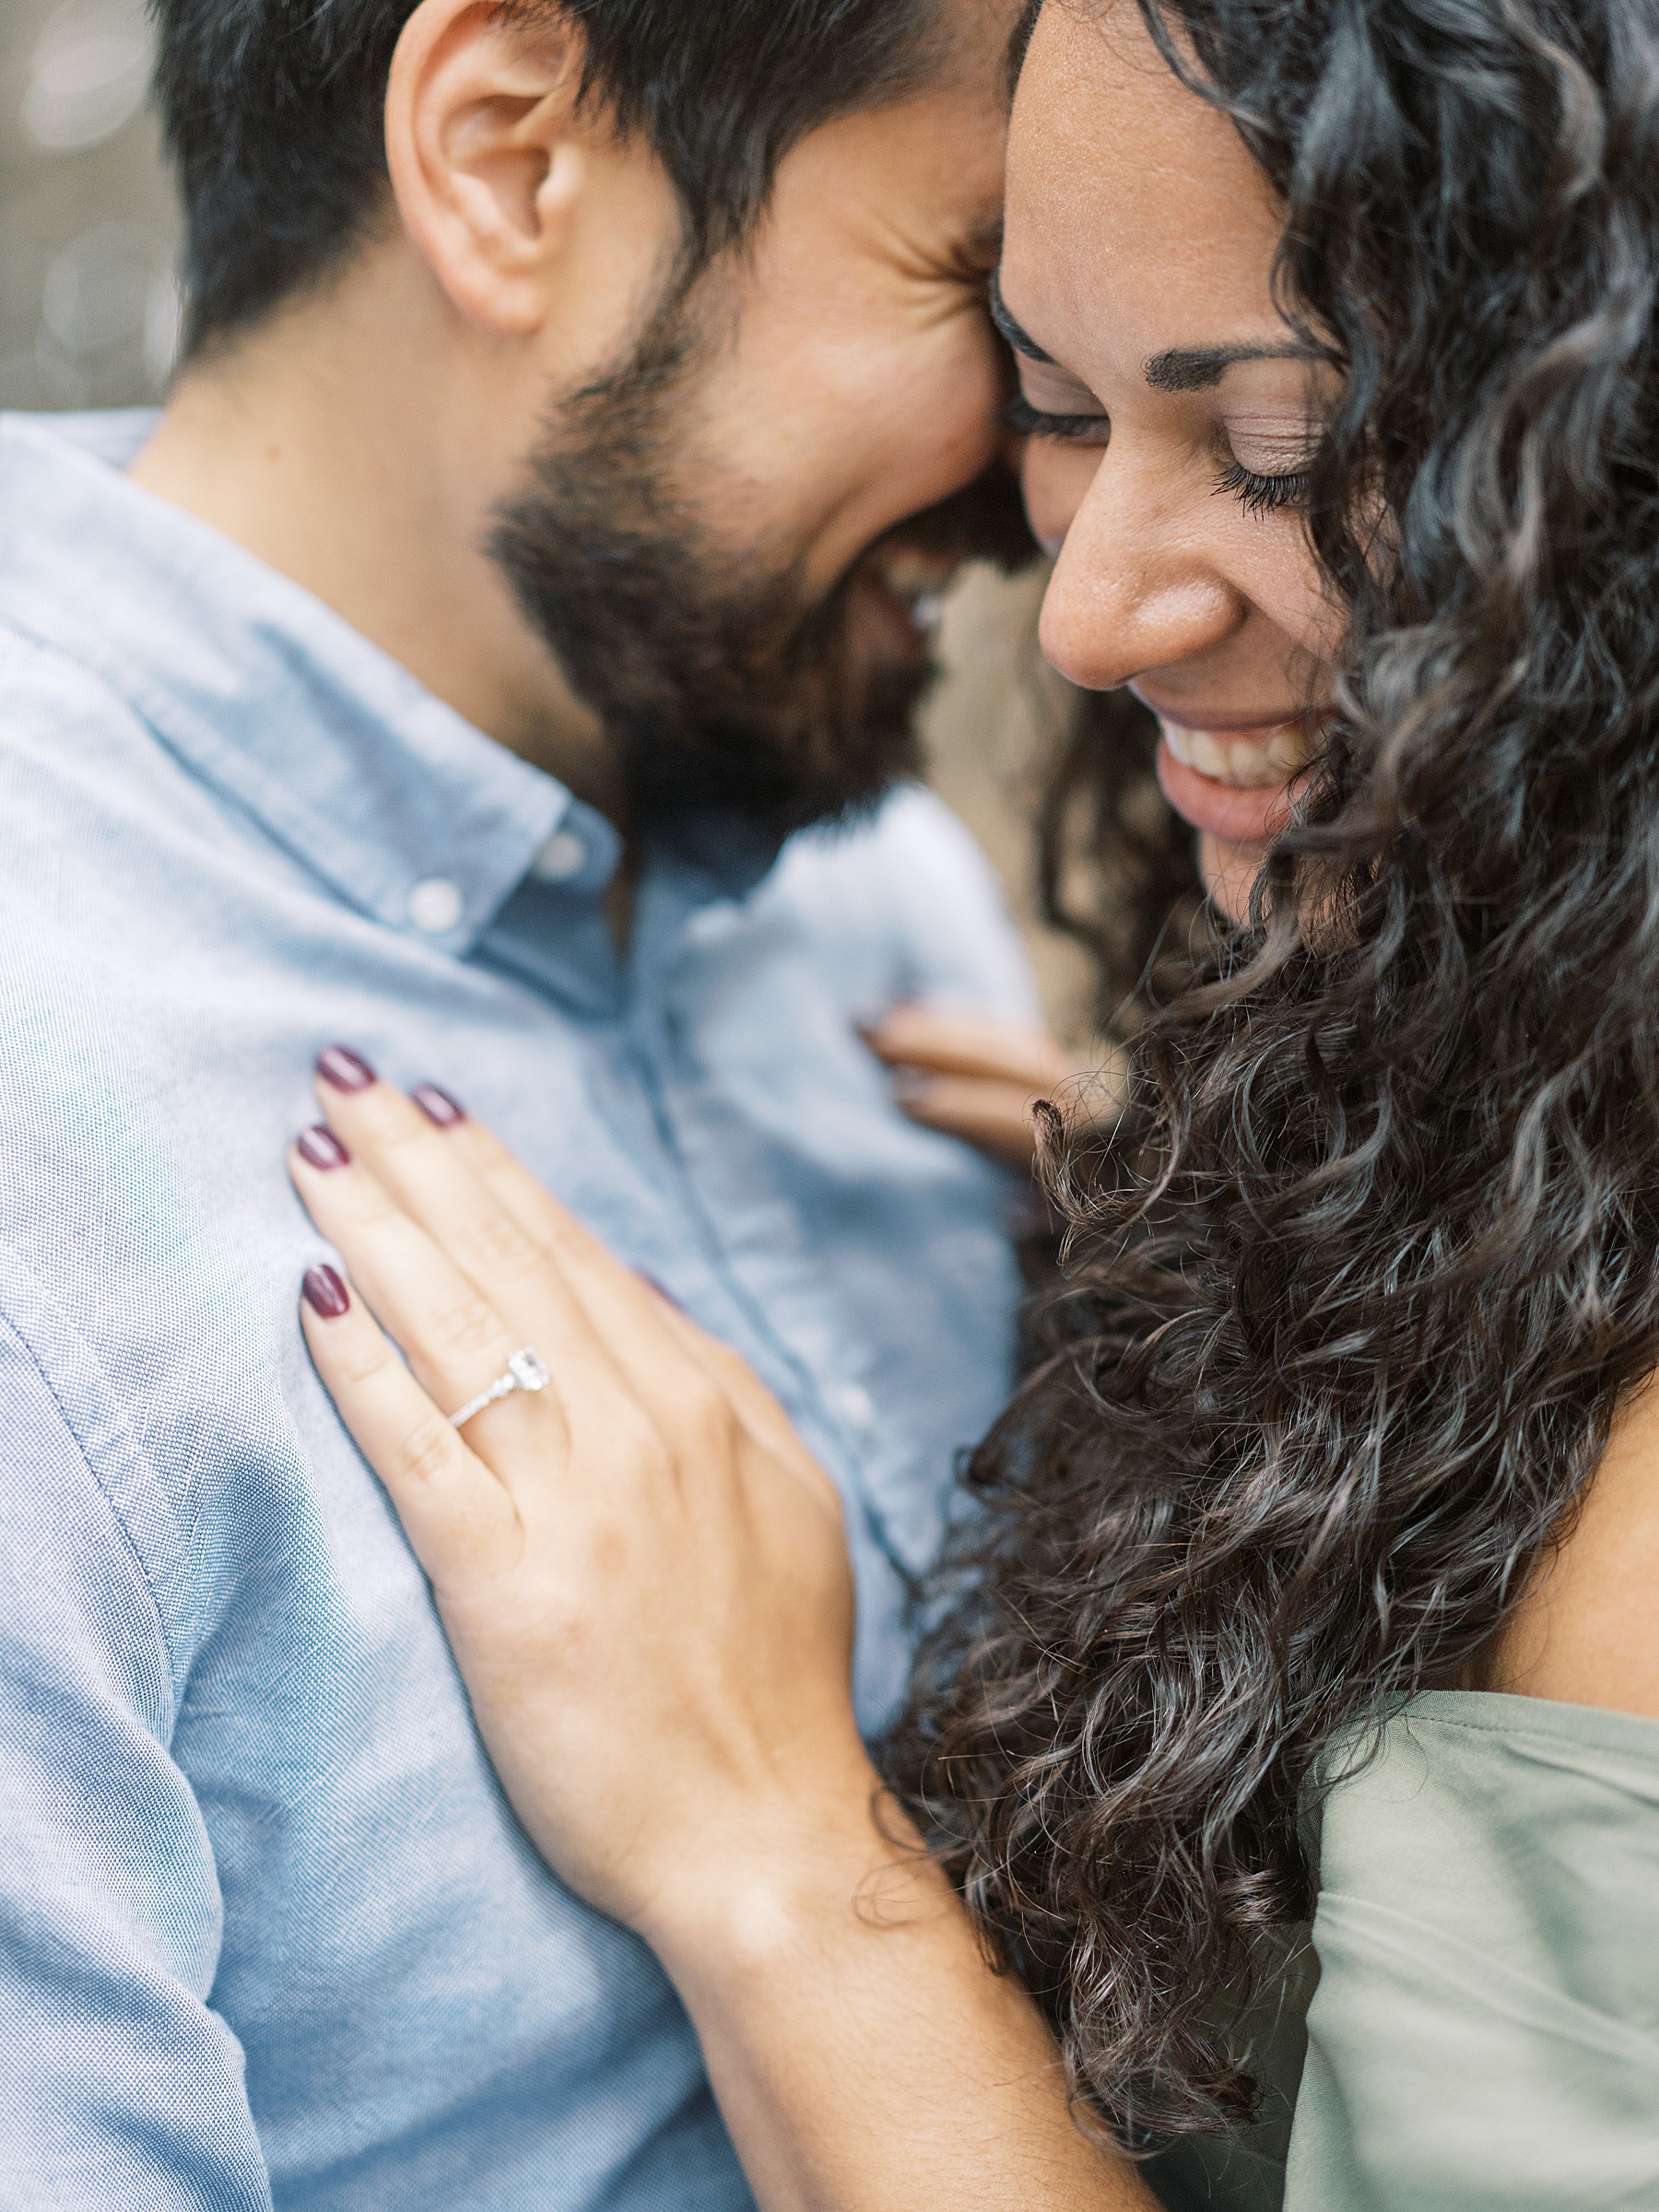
column 970, row 1044
column 523, row 1249
column 637, row 1319
column 456, row 1340
column 642, row 1326
column 460, row 1521
column 434, row 1181
column 993, row 1116
column 619, row 1300
column 545, row 1218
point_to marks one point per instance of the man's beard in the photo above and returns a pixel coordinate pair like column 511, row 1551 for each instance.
column 722, row 690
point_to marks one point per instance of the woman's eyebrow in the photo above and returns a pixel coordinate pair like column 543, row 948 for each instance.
column 1182, row 369
column 1011, row 330
column 1201, row 369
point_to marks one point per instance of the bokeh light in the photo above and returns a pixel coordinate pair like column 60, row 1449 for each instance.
column 88, row 74
column 89, row 232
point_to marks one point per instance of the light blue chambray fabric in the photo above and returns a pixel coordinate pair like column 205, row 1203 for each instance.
column 267, row 1929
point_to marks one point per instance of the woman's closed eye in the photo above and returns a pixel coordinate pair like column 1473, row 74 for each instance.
column 1028, row 421
column 1262, row 494
column 1264, row 464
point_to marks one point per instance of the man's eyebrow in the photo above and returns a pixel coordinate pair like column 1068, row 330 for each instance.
column 1011, row 330
column 1201, row 369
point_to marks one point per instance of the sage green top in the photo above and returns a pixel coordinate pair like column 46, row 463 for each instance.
column 1485, row 2029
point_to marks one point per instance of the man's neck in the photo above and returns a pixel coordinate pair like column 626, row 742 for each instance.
column 374, row 491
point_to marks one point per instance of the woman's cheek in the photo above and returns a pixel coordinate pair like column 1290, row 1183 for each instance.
column 1284, row 584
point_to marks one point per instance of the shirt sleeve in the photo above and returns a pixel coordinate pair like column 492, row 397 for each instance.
column 124, row 2086
column 1485, row 2033
column 960, row 938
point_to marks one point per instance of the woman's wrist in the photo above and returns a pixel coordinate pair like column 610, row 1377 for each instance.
column 863, row 2049
column 799, row 1873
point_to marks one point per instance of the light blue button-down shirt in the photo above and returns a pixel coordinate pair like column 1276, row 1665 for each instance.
column 269, row 1931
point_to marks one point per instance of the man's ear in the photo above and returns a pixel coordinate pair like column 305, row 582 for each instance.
column 488, row 154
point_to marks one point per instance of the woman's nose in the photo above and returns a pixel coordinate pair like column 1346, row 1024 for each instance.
column 1133, row 588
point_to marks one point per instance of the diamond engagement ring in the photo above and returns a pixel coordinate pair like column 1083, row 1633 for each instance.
column 524, row 1371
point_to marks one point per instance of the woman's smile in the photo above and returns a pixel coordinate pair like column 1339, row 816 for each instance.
column 1229, row 774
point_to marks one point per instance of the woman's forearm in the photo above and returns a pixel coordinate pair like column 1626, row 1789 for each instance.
column 864, row 2055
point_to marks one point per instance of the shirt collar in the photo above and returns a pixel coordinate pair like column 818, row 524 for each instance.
column 408, row 811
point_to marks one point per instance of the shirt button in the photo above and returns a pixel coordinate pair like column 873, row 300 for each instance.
column 858, row 1408
column 435, row 905
column 562, row 856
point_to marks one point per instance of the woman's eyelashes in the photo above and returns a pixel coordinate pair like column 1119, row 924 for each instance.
column 1264, row 459
column 1263, row 495
column 1258, row 491
column 1027, row 421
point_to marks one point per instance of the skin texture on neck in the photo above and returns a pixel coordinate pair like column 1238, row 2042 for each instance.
column 371, row 486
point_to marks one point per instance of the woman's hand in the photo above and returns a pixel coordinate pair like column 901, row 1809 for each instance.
column 642, row 1574
column 971, row 1076
column 640, row 1567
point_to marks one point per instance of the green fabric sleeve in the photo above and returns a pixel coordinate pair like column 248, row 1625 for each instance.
column 1484, row 2033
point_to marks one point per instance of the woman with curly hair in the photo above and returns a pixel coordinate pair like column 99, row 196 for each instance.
column 1310, row 1585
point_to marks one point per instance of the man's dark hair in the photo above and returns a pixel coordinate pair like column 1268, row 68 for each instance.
column 273, row 113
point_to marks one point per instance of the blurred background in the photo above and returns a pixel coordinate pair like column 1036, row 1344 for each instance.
column 992, row 730
column 88, row 238
column 90, row 318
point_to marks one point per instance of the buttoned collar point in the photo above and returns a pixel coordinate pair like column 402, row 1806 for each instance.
column 264, row 693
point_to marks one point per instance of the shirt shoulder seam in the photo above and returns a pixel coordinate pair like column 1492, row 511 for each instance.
column 21, row 1335
column 1536, row 1729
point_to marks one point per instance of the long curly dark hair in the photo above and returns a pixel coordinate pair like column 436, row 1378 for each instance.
column 1352, row 1318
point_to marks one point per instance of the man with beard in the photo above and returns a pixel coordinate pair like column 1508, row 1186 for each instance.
column 573, row 394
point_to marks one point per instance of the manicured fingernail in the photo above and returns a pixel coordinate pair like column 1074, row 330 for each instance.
column 322, row 1147
column 343, row 1069
column 438, row 1106
column 662, row 1289
column 325, row 1294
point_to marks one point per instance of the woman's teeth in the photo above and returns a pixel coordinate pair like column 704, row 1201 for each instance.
column 1248, row 762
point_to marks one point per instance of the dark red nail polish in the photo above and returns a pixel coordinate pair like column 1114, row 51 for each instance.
column 438, row 1106
column 322, row 1147
column 325, row 1294
column 343, row 1069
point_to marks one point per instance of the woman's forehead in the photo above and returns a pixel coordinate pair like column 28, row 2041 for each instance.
column 1129, row 198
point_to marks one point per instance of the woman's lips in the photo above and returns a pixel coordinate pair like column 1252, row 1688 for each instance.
column 1234, row 783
